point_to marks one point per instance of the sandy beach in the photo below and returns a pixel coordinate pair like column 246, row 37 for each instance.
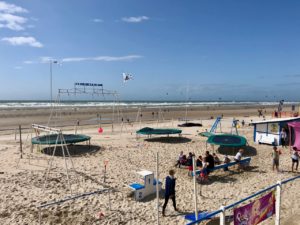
column 106, row 105
column 23, row 186
column 68, row 116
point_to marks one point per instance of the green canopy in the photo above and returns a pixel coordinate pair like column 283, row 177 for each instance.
column 150, row 131
column 230, row 140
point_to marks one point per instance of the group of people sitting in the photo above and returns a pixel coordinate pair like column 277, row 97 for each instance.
column 205, row 163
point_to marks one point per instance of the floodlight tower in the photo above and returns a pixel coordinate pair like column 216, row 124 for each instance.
column 51, row 61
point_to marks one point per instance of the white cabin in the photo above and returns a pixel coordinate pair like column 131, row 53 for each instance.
column 268, row 131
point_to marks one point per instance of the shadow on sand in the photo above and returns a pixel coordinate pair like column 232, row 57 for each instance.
column 148, row 198
column 216, row 220
column 227, row 177
column 248, row 150
column 75, row 150
column 169, row 140
column 221, row 179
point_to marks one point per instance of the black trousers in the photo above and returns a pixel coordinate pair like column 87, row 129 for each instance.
column 167, row 200
column 282, row 142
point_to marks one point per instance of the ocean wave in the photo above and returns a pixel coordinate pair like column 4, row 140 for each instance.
column 149, row 104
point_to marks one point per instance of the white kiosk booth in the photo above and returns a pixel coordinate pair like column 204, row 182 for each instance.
column 268, row 131
column 147, row 185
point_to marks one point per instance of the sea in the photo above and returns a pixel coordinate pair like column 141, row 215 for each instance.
column 133, row 104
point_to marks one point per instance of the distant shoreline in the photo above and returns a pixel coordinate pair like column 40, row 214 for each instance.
column 11, row 118
column 16, row 105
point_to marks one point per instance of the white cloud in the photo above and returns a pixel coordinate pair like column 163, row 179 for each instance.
column 96, row 20
column 133, row 19
column 12, row 22
column 43, row 59
column 28, row 62
column 75, row 59
column 102, row 58
column 11, row 8
column 47, row 59
column 31, row 41
column 8, row 19
column 120, row 58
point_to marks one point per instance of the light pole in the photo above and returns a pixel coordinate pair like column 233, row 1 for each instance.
column 51, row 62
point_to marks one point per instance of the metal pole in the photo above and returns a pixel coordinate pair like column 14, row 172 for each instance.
column 20, row 133
column 195, row 188
column 40, row 216
column 51, row 161
column 157, row 187
column 50, row 80
column 105, row 166
column 69, row 157
column 278, row 203
column 109, row 202
column 222, row 215
column 113, row 119
column 64, row 155
column 51, row 62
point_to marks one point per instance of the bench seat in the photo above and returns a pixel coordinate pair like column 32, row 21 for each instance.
column 218, row 167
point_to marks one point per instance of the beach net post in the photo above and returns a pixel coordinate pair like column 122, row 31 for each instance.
column 105, row 166
column 222, row 215
column 195, row 189
column 278, row 203
column 157, row 187
column 109, row 202
column 20, row 134
column 40, row 216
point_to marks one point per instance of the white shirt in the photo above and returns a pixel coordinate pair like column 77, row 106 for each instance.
column 295, row 156
column 283, row 134
column 238, row 156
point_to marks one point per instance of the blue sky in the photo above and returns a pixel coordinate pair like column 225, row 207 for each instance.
column 234, row 50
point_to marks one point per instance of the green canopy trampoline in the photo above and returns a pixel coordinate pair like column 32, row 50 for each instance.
column 229, row 140
column 53, row 139
column 151, row 131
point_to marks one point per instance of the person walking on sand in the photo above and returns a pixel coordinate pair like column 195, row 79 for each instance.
column 295, row 158
column 275, row 156
column 170, row 191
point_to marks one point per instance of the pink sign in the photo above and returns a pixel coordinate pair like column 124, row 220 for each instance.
column 255, row 212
